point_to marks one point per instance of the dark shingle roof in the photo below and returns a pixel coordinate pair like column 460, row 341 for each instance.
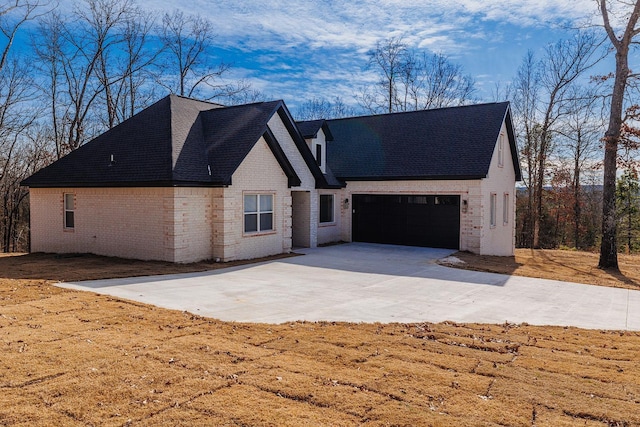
column 181, row 141
column 447, row 143
column 176, row 141
column 309, row 129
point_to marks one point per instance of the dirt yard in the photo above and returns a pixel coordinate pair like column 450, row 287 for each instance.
column 572, row 266
column 76, row 358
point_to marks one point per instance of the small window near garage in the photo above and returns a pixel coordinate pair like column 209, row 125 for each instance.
column 326, row 208
column 319, row 154
column 505, row 208
column 69, row 210
column 417, row 200
column 501, row 150
column 258, row 213
column 447, row 200
column 492, row 208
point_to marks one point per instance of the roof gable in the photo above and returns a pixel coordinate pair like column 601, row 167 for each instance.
column 447, row 143
column 309, row 129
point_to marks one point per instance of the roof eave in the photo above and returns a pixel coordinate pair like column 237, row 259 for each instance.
column 121, row 184
column 304, row 150
column 412, row 178
column 512, row 142
column 293, row 180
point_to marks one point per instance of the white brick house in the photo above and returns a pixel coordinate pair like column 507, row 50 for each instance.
column 185, row 180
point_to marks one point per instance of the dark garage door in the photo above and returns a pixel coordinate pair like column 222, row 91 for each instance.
column 431, row 221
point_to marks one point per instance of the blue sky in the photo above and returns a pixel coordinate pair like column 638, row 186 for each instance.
column 299, row 49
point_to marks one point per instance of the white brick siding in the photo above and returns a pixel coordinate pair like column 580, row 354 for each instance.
column 331, row 232
column 259, row 173
column 499, row 240
column 171, row 224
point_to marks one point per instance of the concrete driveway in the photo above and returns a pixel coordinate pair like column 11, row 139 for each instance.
column 360, row 282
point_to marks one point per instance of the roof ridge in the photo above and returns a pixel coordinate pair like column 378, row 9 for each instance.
column 276, row 101
column 194, row 99
column 395, row 113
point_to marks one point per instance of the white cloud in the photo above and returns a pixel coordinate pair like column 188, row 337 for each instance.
column 442, row 25
column 320, row 46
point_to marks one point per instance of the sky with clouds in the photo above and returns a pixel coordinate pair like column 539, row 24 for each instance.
column 296, row 50
column 299, row 49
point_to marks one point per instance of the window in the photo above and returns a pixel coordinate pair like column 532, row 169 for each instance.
column 447, row 200
column 501, row 150
column 258, row 213
column 492, row 208
column 69, row 210
column 417, row 200
column 319, row 154
column 505, row 208
column 326, row 208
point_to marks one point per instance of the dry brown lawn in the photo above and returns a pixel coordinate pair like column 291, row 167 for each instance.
column 72, row 358
column 572, row 266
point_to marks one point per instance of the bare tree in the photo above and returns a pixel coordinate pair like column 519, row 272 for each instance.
column 621, row 39
column 389, row 58
column 102, row 22
column 409, row 80
column 320, row 108
column 48, row 47
column 580, row 132
column 71, row 56
column 13, row 14
column 525, row 89
column 17, row 114
column 131, row 83
column 190, row 69
column 94, row 67
column 439, row 83
column 563, row 63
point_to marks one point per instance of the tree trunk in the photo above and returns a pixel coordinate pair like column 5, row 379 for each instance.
column 609, row 247
column 577, row 211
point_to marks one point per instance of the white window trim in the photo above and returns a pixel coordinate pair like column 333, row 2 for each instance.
column 65, row 210
column 501, row 150
column 258, row 212
column 505, row 209
column 492, row 209
column 333, row 210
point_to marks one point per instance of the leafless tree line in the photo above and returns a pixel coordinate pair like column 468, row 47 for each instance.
column 563, row 122
column 85, row 72
column 557, row 121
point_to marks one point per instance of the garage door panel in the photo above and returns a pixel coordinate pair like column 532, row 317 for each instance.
column 416, row 220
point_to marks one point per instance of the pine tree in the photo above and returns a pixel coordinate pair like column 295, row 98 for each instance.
column 628, row 209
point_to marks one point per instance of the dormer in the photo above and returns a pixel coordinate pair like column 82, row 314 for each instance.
column 316, row 133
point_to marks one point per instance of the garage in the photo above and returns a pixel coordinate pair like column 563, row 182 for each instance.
column 412, row 220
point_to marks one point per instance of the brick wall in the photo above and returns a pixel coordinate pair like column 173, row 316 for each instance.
column 192, row 216
column 500, row 239
column 308, row 182
column 259, row 173
column 169, row 224
column 332, row 232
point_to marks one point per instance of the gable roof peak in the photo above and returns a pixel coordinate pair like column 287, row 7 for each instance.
column 399, row 113
column 178, row 98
